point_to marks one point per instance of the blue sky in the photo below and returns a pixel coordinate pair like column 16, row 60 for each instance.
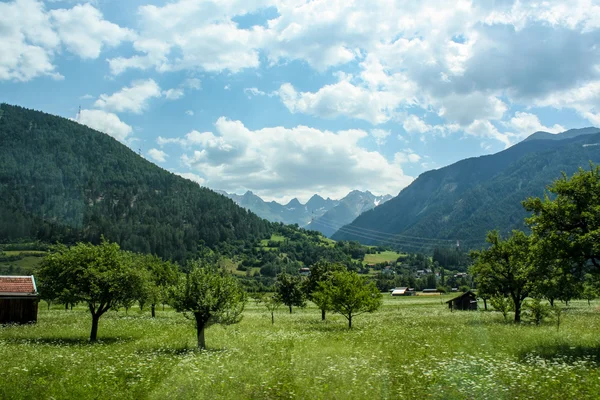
column 292, row 98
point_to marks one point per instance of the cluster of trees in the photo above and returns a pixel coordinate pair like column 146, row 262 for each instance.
column 330, row 286
column 558, row 260
column 104, row 277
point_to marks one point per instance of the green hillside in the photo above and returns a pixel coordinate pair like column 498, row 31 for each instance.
column 465, row 200
column 61, row 181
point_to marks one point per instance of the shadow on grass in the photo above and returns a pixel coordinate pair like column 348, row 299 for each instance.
column 329, row 326
column 67, row 341
column 180, row 351
column 564, row 352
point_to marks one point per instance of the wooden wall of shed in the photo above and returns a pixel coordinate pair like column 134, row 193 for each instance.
column 18, row 311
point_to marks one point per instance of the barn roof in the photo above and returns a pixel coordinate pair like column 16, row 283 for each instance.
column 17, row 286
column 468, row 293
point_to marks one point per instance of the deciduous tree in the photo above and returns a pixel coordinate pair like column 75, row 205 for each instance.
column 350, row 294
column 211, row 296
column 102, row 276
column 289, row 290
column 506, row 268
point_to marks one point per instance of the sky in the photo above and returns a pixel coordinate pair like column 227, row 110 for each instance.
column 292, row 98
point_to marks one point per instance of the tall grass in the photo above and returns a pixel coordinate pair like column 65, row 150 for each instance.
column 412, row 348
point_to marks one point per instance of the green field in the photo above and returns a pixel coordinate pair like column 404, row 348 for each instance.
column 384, row 256
column 411, row 348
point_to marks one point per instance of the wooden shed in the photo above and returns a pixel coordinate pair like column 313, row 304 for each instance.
column 466, row 301
column 18, row 299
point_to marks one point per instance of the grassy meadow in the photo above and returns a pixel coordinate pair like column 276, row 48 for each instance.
column 412, row 348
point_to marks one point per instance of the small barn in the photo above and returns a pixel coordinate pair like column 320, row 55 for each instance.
column 18, row 299
column 466, row 301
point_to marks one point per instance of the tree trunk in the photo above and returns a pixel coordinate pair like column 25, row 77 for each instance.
column 517, row 302
column 153, row 309
column 290, row 308
column 551, row 302
column 49, row 302
column 94, row 333
column 485, row 304
column 323, row 314
column 589, row 304
column 272, row 318
column 67, row 306
column 350, row 321
column 200, row 324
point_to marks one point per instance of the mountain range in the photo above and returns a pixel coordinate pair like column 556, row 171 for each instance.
column 462, row 201
column 323, row 215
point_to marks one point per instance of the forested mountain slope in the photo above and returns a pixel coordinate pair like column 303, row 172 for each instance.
column 61, row 181
column 466, row 199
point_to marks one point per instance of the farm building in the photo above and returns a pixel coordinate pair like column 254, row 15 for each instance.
column 18, row 299
column 402, row 291
column 466, row 301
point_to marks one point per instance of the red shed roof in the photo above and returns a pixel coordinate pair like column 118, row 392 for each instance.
column 23, row 285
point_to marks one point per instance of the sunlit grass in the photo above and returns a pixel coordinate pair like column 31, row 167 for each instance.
column 413, row 348
column 384, row 256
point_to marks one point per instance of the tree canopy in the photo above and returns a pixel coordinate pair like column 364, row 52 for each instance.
column 101, row 276
column 350, row 294
column 212, row 297
column 505, row 268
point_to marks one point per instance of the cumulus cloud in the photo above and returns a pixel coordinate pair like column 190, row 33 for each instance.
column 486, row 130
column 84, row 31
column 158, row 155
column 28, row 41
column 134, row 98
column 302, row 160
column 526, row 123
column 106, row 122
column 190, row 113
column 32, row 36
column 584, row 99
column 341, row 99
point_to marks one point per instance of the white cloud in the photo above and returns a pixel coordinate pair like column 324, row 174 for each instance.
column 407, row 156
column 200, row 33
column 192, row 177
column 486, row 130
column 28, row 41
column 302, row 160
column 133, row 99
column 190, row 113
column 250, row 92
column 341, row 99
column 380, row 136
column 84, row 31
column 584, row 99
column 193, row 83
column 525, row 124
column 158, row 155
column 413, row 124
column 105, row 122
column 173, row 94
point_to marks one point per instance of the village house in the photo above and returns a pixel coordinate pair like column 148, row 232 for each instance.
column 18, row 299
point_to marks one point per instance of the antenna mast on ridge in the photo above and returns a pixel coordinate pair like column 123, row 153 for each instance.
column 78, row 117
